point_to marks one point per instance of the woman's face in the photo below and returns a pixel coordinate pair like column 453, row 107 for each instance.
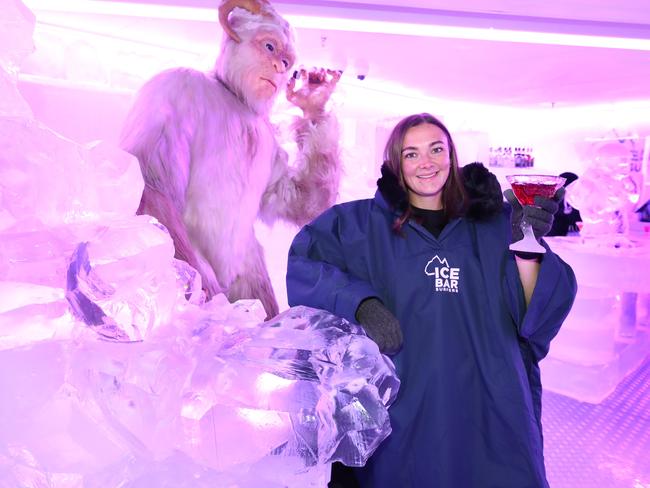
column 425, row 165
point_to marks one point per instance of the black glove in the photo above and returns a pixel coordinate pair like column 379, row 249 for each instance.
column 539, row 216
column 380, row 325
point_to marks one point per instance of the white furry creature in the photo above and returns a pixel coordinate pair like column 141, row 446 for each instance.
column 210, row 159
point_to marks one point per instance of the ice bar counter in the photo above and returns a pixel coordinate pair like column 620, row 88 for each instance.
column 605, row 337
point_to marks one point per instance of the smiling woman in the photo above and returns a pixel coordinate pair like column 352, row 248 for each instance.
column 425, row 268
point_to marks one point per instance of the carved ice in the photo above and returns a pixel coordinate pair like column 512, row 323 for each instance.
column 605, row 194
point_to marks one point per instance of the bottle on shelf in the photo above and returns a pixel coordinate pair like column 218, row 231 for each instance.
column 511, row 157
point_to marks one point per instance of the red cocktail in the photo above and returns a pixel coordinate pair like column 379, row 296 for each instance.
column 526, row 192
column 526, row 188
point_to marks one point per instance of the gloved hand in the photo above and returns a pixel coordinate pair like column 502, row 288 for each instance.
column 380, row 325
column 539, row 216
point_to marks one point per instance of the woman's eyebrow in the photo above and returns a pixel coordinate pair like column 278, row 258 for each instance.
column 413, row 148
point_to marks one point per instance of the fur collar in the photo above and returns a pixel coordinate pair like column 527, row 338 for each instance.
column 391, row 190
column 485, row 199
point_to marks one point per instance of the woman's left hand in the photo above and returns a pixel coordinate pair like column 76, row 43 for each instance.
column 539, row 216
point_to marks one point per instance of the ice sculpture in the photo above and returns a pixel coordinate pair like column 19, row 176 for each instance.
column 113, row 369
column 16, row 28
column 605, row 195
column 605, row 336
column 206, row 401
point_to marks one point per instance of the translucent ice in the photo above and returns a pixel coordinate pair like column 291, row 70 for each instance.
column 603, row 339
column 307, row 388
column 16, row 29
column 48, row 178
column 12, row 103
column 605, row 193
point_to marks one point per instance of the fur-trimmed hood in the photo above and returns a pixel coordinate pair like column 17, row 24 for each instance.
column 483, row 190
column 389, row 187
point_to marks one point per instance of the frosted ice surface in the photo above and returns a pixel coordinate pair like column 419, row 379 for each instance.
column 605, row 194
column 55, row 181
column 129, row 271
column 229, row 403
column 16, row 29
column 12, row 104
column 600, row 343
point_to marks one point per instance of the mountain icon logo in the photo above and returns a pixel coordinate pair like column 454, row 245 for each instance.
column 429, row 269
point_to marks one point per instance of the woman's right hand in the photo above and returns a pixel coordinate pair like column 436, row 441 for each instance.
column 381, row 325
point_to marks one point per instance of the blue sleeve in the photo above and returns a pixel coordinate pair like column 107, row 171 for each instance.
column 550, row 304
column 318, row 273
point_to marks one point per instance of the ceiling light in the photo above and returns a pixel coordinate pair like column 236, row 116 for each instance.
column 355, row 19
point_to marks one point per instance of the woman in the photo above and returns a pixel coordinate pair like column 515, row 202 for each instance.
column 428, row 259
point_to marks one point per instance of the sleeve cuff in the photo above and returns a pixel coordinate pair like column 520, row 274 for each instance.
column 529, row 256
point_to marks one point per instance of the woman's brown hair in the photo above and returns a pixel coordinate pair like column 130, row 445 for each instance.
column 454, row 199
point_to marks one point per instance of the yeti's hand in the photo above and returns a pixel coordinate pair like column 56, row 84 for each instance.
column 317, row 87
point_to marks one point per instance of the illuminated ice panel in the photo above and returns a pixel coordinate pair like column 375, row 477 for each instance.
column 606, row 335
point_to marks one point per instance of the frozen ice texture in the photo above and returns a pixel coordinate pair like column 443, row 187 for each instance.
column 16, row 30
column 48, row 179
column 603, row 339
column 12, row 104
column 605, row 194
column 200, row 395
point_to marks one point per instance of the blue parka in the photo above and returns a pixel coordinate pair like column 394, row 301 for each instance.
column 469, row 407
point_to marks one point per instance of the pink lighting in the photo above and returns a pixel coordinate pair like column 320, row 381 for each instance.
column 563, row 84
column 420, row 25
column 475, row 33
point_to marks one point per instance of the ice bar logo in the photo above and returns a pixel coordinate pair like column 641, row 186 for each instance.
column 446, row 277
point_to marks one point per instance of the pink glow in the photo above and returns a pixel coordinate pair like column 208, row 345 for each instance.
column 380, row 26
column 86, row 100
column 475, row 33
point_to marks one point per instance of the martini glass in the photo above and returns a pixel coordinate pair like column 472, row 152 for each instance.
column 526, row 188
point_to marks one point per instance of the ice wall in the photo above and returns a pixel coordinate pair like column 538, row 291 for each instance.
column 16, row 28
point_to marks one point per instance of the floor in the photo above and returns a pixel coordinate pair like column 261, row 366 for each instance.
column 600, row 446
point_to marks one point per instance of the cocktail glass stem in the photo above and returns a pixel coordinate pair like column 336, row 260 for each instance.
column 528, row 243
column 526, row 188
